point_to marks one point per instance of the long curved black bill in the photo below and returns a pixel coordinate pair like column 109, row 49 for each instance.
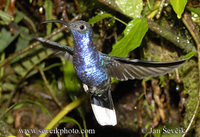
column 57, row 21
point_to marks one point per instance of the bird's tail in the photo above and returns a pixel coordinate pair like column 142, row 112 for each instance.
column 103, row 109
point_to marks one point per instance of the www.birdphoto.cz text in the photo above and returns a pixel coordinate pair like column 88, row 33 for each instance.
column 57, row 131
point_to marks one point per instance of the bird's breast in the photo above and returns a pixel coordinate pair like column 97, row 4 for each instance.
column 88, row 67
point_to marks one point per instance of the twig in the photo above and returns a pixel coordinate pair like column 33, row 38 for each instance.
column 160, row 9
column 50, row 91
column 191, row 27
column 120, row 20
column 193, row 31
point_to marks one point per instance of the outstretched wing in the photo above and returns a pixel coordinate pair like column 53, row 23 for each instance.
column 124, row 68
column 60, row 50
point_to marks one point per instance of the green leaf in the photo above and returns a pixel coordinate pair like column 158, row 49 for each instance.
column 178, row 6
column 8, row 86
column 23, row 40
column 6, row 38
column 19, row 17
column 132, row 8
column 133, row 35
column 102, row 16
column 129, row 26
column 72, row 120
column 99, row 17
column 21, row 43
column 6, row 18
column 27, row 134
column 48, row 5
column 72, row 83
column 195, row 10
column 190, row 54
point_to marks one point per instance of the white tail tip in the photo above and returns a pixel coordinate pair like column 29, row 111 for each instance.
column 104, row 116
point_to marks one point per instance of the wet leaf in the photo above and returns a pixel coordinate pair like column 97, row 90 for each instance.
column 178, row 6
column 133, row 35
column 132, row 8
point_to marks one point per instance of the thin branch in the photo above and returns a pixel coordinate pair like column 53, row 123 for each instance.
column 160, row 9
column 191, row 27
column 50, row 91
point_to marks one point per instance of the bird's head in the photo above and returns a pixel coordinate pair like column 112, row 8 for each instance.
column 80, row 29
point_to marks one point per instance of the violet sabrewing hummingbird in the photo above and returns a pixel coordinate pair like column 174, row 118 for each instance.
column 95, row 69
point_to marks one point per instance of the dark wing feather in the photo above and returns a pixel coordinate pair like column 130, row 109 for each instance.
column 64, row 54
column 60, row 50
column 124, row 68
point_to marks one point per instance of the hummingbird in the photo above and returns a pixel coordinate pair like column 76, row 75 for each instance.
column 95, row 69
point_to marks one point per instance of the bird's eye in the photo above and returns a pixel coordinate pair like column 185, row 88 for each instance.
column 82, row 27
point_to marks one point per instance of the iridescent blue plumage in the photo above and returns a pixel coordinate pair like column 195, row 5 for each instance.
column 95, row 69
column 86, row 60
